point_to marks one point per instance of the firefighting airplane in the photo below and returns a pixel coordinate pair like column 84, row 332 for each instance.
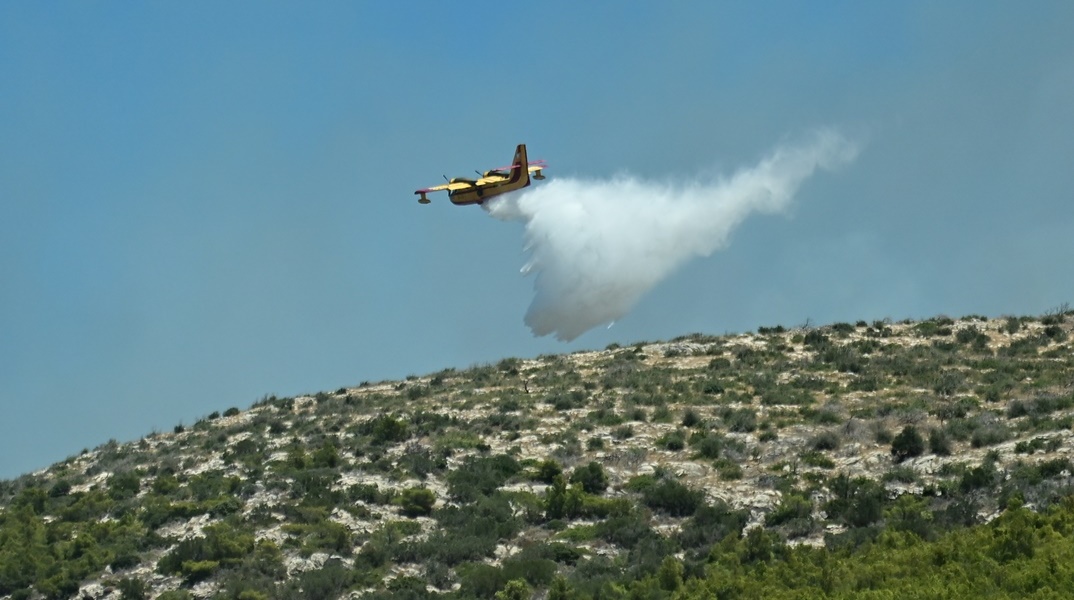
column 463, row 191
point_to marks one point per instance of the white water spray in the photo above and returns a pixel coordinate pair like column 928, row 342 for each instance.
column 597, row 245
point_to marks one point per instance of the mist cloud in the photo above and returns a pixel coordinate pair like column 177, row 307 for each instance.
column 596, row 246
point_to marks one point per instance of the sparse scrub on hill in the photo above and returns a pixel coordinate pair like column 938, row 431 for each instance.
column 579, row 475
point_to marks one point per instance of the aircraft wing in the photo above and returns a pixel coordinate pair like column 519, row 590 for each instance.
column 447, row 186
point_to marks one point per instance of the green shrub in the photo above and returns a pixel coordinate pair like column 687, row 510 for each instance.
column 855, row 502
column 794, row 513
column 591, row 477
column 815, row 458
column 742, row 420
column 825, row 440
column 939, row 443
column 989, row 435
column 907, row 444
column 132, row 589
column 902, row 474
column 416, row 502
column 385, row 429
column 547, row 470
column 515, row 589
column 625, row 530
column 710, row 524
column 728, row 470
column 1055, row 333
column 470, row 531
column 421, row 462
column 983, row 476
column 327, row 583
column 672, row 440
column 604, row 416
column 124, row 485
column 786, row 395
column 708, row 445
column 567, row 401
column 690, row 418
column 671, row 497
column 480, row 476
column 197, row 558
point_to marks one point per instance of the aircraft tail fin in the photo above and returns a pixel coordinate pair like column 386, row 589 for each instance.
column 520, row 171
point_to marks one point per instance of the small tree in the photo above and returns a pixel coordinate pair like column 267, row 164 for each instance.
column 939, row 443
column 559, row 590
column 555, row 498
column 591, row 477
column 516, row 589
column 907, row 444
column 132, row 588
column 670, row 574
column 417, row 502
column 547, row 470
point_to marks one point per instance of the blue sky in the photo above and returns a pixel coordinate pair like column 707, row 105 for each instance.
column 204, row 203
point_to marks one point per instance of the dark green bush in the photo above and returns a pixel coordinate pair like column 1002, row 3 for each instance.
column 671, row 497
column 198, row 558
column 124, row 485
column 673, row 440
column 825, row 440
column 480, row 476
column 907, row 444
column 416, row 502
column 711, row 524
column 547, row 470
column 421, row 462
column 690, row 418
column 132, row 589
column 939, row 443
column 327, row 583
column 741, row 420
column 625, row 530
column 567, row 401
column 989, row 435
column 794, row 513
column 856, row 502
column 591, row 477
column 385, row 429
column 708, row 445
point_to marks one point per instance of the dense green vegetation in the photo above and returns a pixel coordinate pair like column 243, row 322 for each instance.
column 886, row 460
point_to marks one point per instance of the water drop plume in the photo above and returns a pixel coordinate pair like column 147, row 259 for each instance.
column 595, row 246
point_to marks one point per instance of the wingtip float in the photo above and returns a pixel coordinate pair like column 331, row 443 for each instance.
column 500, row 180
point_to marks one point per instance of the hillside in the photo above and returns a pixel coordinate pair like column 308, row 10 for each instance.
column 576, row 475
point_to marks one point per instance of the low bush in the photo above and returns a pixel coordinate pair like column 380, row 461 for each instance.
column 591, row 477
column 671, row 497
column 907, row 444
column 416, row 502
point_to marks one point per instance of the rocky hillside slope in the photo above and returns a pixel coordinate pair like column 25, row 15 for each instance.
column 582, row 469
